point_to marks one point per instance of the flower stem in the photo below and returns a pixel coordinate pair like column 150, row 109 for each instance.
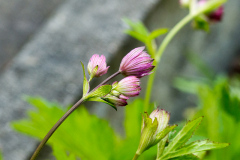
column 158, row 56
column 61, row 120
column 135, row 156
column 54, row 128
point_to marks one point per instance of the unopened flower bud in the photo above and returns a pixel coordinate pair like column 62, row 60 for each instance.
column 97, row 66
column 129, row 86
column 136, row 63
column 116, row 101
column 154, row 128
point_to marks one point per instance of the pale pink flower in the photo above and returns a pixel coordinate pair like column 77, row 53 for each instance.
column 136, row 63
column 129, row 86
column 94, row 61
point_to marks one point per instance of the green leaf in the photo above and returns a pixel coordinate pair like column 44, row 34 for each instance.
column 136, row 35
column 81, row 134
column 98, row 99
column 100, row 92
column 186, row 157
column 137, row 27
column 183, row 136
column 164, row 132
column 86, row 86
column 193, row 147
column 1, row 156
column 156, row 33
column 61, row 154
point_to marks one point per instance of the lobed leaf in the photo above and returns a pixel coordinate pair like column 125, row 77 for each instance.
column 183, row 135
column 193, row 147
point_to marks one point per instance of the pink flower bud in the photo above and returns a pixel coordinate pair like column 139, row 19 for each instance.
column 136, row 63
column 214, row 16
column 117, row 101
column 94, row 61
column 162, row 117
column 129, row 86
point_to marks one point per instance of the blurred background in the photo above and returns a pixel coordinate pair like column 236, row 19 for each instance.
column 43, row 41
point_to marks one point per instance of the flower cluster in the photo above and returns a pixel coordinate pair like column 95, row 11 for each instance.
column 122, row 90
column 136, row 64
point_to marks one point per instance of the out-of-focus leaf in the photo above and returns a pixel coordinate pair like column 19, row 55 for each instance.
column 188, row 86
column 61, row 154
column 138, row 27
column 136, row 35
column 81, row 134
column 156, row 33
column 1, row 156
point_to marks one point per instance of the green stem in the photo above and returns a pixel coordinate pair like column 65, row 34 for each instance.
column 159, row 53
column 54, row 128
column 135, row 156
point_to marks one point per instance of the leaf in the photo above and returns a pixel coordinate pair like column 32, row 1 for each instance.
column 86, row 86
column 1, row 156
column 81, row 134
column 137, row 27
column 61, row 154
column 229, row 102
column 183, row 135
column 193, row 147
column 100, row 92
column 165, row 131
column 156, row 33
column 186, row 157
column 136, row 35
column 98, row 99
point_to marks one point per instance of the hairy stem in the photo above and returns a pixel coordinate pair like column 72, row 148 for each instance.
column 61, row 120
column 135, row 156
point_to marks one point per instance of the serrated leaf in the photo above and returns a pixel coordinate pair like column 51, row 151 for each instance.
column 156, row 33
column 193, row 147
column 186, row 157
column 81, row 133
column 98, row 99
column 100, row 92
column 86, row 86
column 165, row 131
column 183, row 135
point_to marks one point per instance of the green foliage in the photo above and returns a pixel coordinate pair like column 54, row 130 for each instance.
column 219, row 103
column 178, row 148
column 1, row 156
column 140, row 32
column 83, row 134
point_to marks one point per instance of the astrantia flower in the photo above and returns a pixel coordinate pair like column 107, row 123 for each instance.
column 100, row 63
column 129, row 86
column 136, row 63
